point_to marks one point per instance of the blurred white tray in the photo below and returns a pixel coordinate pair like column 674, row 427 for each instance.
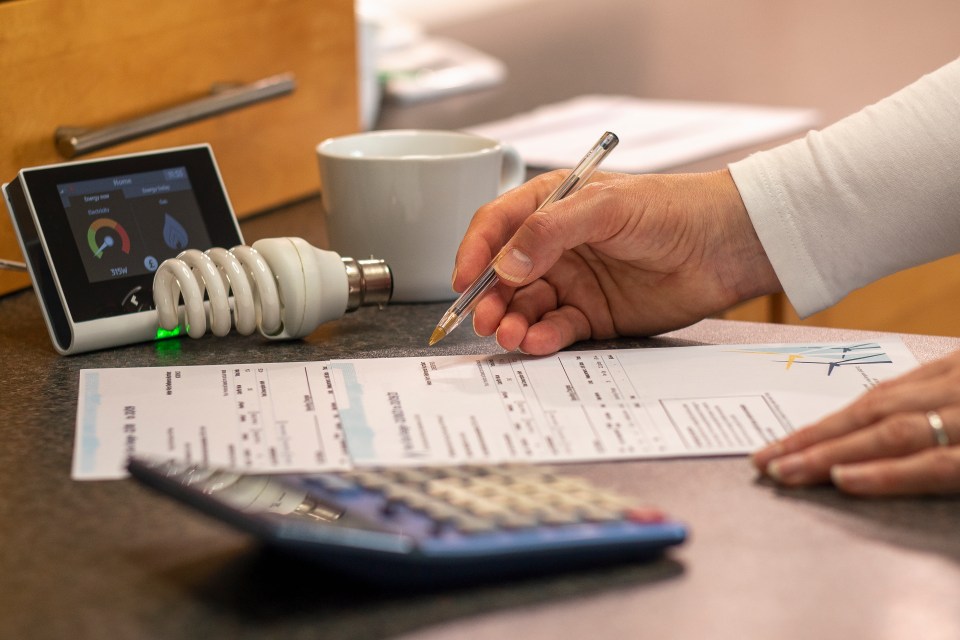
column 654, row 134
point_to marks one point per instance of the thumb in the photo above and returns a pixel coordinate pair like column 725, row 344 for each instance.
column 543, row 237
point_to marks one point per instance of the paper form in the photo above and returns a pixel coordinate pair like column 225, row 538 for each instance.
column 572, row 406
column 600, row 405
column 276, row 417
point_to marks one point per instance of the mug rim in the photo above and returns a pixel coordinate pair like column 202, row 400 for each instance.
column 324, row 147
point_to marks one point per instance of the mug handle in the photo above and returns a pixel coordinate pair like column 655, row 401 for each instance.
column 513, row 170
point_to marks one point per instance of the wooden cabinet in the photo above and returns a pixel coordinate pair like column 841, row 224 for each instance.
column 925, row 299
column 90, row 63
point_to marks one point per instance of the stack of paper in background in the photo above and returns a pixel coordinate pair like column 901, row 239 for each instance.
column 655, row 135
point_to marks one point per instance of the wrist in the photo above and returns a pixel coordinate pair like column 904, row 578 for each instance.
column 742, row 259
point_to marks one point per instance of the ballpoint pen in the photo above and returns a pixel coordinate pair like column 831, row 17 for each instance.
column 464, row 305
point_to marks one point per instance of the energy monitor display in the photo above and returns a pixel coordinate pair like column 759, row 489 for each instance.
column 93, row 233
column 127, row 225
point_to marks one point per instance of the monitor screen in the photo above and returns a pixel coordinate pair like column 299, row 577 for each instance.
column 126, row 225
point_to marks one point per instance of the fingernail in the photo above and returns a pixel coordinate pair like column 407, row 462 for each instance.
column 848, row 477
column 761, row 457
column 514, row 266
column 453, row 278
column 785, row 468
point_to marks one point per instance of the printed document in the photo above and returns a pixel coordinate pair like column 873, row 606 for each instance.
column 572, row 406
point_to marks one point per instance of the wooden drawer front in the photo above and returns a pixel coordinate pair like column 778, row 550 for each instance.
column 91, row 63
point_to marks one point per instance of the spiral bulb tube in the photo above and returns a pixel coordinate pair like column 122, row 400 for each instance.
column 284, row 287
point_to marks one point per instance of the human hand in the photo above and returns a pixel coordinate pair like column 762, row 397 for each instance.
column 884, row 443
column 624, row 255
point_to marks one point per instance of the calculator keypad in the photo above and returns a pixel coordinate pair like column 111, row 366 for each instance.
column 479, row 499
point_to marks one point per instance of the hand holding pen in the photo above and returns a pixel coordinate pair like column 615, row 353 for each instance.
column 468, row 300
column 642, row 255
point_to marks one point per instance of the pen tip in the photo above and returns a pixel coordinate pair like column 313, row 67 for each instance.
column 437, row 335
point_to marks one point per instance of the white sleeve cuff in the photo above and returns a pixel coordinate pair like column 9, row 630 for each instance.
column 873, row 194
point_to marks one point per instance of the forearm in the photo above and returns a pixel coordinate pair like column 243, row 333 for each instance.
column 870, row 195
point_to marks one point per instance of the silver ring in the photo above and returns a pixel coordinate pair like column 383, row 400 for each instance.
column 939, row 432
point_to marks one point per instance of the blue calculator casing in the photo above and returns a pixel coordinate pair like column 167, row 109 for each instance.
column 387, row 533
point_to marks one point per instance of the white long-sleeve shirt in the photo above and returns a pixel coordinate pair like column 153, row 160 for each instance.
column 877, row 192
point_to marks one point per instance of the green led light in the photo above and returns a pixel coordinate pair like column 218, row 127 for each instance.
column 163, row 333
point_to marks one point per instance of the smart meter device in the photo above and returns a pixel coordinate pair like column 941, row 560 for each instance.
column 93, row 234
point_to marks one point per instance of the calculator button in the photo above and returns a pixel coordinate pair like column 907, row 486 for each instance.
column 597, row 514
column 411, row 497
column 444, row 490
column 484, row 508
column 369, row 479
column 469, row 524
column 442, row 511
column 515, row 520
column 571, row 484
column 644, row 515
column 484, row 487
column 610, row 501
column 451, row 473
column 409, row 476
column 463, row 500
column 557, row 516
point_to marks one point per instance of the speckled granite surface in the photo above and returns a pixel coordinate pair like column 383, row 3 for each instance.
column 110, row 559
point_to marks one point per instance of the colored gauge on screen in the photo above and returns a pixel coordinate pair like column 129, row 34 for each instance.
column 112, row 235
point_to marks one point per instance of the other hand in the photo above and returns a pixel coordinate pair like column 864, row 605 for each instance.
column 885, row 442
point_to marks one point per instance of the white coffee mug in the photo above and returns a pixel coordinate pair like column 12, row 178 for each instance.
column 407, row 196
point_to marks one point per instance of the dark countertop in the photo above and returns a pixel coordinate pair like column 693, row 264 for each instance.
column 89, row 559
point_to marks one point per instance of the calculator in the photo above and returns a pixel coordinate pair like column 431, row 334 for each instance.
column 427, row 525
